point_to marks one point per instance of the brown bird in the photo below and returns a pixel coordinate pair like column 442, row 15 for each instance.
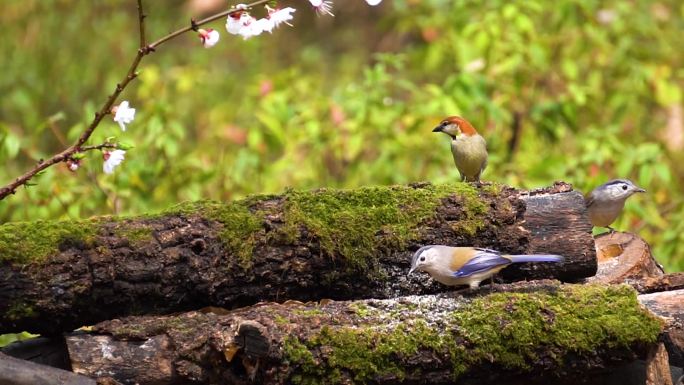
column 468, row 147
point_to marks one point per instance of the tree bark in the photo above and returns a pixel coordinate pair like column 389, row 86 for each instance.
column 14, row 371
column 658, row 367
column 531, row 332
column 669, row 307
column 339, row 244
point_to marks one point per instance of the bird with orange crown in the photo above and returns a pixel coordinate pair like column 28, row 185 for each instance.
column 467, row 146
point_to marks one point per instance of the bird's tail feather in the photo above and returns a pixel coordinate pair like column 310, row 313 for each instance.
column 536, row 258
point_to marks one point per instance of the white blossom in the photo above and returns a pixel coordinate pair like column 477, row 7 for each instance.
column 209, row 37
column 243, row 24
column 123, row 114
column 251, row 27
column 322, row 6
column 234, row 22
column 112, row 159
column 279, row 16
column 373, row 2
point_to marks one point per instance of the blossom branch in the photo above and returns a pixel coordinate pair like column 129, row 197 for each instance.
column 143, row 50
column 195, row 24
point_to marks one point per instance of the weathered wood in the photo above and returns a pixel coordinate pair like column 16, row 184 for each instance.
column 658, row 367
column 624, row 257
column 667, row 282
column 40, row 350
column 669, row 307
column 14, row 371
column 529, row 332
column 339, row 244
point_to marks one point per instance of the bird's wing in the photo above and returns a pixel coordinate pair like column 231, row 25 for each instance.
column 483, row 260
column 589, row 199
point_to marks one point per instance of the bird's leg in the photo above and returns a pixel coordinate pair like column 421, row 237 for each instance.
column 611, row 231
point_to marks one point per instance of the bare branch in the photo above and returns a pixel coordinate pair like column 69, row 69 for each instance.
column 132, row 73
column 141, row 22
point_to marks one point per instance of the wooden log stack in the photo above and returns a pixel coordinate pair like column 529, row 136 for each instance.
column 311, row 287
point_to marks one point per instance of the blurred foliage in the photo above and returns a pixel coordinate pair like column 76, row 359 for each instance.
column 575, row 90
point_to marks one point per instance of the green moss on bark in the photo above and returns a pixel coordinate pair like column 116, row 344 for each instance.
column 240, row 225
column 135, row 234
column 506, row 329
column 24, row 242
column 348, row 222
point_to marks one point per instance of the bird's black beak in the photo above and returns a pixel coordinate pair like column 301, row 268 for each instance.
column 639, row 189
column 437, row 129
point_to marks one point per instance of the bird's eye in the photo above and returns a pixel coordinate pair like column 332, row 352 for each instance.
column 624, row 187
column 422, row 259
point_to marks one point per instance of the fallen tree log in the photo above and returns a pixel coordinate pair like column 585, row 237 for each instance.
column 339, row 244
column 669, row 307
column 531, row 332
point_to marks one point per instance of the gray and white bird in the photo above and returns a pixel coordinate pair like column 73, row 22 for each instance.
column 468, row 265
column 605, row 202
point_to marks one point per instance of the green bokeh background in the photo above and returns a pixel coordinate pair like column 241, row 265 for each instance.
column 575, row 90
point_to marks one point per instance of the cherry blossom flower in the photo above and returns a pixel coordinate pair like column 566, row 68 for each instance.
column 235, row 21
column 111, row 160
column 373, row 2
column 123, row 114
column 322, row 6
column 251, row 27
column 243, row 24
column 73, row 164
column 209, row 37
column 277, row 17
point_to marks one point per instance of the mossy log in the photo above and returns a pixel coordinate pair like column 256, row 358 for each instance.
column 527, row 331
column 339, row 244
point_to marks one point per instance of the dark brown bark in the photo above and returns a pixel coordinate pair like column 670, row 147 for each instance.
column 667, row 282
column 187, row 259
column 669, row 306
column 14, row 371
column 407, row 340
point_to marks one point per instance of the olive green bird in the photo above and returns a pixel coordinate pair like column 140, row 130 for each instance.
column 467, row 146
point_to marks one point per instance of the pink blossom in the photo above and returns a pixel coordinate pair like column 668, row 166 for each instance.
column 209, row 37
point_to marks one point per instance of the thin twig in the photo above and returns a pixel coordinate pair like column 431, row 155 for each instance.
column 141, row 22
column 98, row 147
column 132, row 73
